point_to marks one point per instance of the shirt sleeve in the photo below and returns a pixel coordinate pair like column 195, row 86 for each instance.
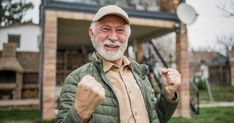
column 166, row 107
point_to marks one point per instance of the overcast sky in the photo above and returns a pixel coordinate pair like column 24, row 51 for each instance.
column 210, row 23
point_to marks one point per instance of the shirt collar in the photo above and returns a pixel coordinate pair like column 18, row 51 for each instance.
column 107, row 65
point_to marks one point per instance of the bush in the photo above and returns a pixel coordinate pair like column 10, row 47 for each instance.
column 201, row 84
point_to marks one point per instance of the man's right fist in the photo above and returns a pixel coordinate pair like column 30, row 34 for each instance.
column 89, row 94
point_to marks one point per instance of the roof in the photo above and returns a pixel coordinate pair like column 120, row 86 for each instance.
column 208, row 58
column 19, row 25
column 89, row 8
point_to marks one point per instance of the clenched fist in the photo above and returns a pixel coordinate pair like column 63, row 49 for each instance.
column 89, row 95
column 171, row 81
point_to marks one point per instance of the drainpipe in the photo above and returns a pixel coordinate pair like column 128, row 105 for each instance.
column 42, row 26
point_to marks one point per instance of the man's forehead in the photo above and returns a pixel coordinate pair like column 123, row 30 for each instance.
column 101, row 25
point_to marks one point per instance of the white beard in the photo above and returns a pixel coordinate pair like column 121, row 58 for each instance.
column 109, row 55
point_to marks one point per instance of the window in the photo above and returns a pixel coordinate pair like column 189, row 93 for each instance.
column 14, row 39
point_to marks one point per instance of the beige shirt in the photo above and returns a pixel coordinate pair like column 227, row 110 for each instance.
column 131, row 102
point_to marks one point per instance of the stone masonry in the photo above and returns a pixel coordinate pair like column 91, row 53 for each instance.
column 49, row 66
column 182, row 62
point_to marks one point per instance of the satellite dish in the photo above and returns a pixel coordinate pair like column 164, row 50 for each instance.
column 186, row 13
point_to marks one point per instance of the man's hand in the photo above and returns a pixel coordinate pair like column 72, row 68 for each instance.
column 171, row 81
column 89, row 94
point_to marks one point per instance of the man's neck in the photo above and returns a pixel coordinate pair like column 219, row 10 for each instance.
column 118, row 62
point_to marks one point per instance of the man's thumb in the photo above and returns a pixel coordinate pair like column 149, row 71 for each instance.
column 164, row 72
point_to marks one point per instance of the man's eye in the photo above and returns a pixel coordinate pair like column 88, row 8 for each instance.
column 120, row 30
column 105, row 29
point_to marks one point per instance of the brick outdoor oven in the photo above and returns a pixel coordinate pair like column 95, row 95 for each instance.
column 11, row 73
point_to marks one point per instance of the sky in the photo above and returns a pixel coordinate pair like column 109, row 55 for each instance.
column 211, row 22
column 33, row 13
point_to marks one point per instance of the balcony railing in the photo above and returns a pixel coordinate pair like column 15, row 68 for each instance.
column 147, row 5
column 135, row 8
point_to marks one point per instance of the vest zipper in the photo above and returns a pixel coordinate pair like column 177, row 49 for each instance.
column 104, row 78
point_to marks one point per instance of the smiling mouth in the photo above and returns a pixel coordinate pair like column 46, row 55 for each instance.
column 111, row 46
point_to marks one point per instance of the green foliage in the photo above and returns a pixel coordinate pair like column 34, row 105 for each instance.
column 12, row 11
column 201, row 84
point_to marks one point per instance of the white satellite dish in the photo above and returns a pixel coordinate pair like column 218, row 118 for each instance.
column 186, row 13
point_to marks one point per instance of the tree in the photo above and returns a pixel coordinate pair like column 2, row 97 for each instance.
column 12, row 11
column 226, row 43
column 227, row 6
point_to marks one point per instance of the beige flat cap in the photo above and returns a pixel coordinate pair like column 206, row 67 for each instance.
column 110, row 10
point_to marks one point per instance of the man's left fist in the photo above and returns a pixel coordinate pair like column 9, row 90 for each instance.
column 171, row 81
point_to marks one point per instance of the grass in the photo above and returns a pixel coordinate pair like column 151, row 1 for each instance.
column 20, row 115
column 219, row 93
column 209, row 115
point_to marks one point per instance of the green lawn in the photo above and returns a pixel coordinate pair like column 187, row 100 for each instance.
column 20, row 115
column 209, row 115
column 219, row 93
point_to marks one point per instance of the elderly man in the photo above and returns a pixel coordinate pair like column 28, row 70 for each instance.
column 113, row 88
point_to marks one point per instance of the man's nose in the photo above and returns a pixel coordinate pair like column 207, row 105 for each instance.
column 113, row 36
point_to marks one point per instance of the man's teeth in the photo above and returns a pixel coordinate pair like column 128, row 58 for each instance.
column 112, row 46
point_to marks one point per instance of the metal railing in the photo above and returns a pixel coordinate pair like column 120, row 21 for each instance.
column 155, row 78
column 148, row 5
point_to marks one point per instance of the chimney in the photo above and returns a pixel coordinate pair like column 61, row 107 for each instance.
column 8, row 60
column 11, row 72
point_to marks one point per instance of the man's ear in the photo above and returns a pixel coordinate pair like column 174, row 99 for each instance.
column 90, row 33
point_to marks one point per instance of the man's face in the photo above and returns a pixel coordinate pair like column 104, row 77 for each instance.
column 110, row 37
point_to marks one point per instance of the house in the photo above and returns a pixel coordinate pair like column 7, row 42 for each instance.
column 19, row 61
column 211, row 66
column 66, row 43
column 231, row 63
column 25, row 35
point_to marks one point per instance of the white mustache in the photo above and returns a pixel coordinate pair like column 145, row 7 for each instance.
column 109, row 42
column 110, row 55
